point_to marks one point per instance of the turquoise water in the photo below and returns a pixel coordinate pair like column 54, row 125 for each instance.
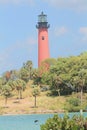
column 25, row 122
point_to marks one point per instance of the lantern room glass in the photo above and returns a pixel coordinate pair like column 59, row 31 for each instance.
column 42, row 18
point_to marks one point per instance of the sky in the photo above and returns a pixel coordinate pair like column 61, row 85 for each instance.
column 19, row 36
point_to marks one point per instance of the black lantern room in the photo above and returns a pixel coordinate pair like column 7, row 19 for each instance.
column 42, row 21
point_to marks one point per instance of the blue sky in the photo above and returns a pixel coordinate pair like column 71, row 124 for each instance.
column 18, row 34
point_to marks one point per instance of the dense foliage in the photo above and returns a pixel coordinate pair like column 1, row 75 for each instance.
column 15, row 80
column 66, row 75
column 60, row 76
column 65, row 123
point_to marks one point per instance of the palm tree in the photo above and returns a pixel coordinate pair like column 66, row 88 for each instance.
column 11, row 84
column 20, row 86
column 6, row 92
column 35, row 93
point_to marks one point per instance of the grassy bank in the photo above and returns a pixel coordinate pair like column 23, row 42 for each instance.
column 45, row 104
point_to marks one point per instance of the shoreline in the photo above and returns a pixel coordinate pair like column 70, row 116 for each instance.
column 33, row 112
column 24, row 114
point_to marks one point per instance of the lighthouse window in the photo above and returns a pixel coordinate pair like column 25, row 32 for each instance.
column 42, row 37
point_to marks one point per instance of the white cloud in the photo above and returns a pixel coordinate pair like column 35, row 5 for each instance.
column 61, row 31
column 83, row 31
column 71, row 4
column 30, row 2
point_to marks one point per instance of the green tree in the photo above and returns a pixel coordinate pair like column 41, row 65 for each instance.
column 37, row 77
column 26, row 71
column 56, row 84
column 35, row 93
column 1, row 85
column 24, row 74
column 20, row 86
column 11, row 84
column 6, row 92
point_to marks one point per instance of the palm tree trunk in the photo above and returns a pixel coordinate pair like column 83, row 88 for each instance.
column 58, row 92
column 35, row 102
column 20, row 94
column 6, row 101
column 81, row 96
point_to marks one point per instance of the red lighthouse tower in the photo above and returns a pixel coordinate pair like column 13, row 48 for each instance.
column 43, row 46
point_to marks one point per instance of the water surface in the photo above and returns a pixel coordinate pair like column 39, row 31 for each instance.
column 26, row 122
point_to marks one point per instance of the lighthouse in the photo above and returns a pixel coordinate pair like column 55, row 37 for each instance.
column 43, row 44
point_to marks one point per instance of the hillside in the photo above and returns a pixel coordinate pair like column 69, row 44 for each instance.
column 45, row 104
column 64, row 86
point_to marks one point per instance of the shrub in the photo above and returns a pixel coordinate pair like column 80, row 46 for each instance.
column 73, row 105
column 74, row 101
column 65, row 123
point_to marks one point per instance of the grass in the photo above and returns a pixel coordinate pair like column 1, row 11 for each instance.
column 26, row 105
column 45, row 104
